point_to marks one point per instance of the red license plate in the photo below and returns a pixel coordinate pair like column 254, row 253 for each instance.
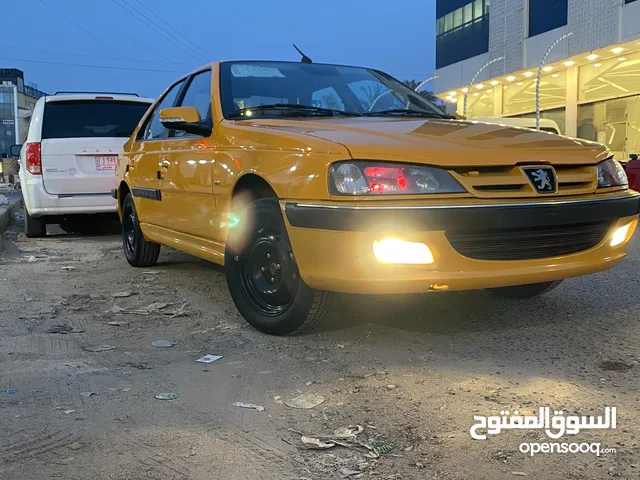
column 106, row 162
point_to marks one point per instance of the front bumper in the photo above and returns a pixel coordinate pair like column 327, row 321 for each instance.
column 333, row 242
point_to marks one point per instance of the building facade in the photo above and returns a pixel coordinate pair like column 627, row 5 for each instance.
column 17, row 101
column 590, row 83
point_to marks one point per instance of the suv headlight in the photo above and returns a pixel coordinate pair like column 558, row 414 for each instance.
column 376, row 178
column 611, row 174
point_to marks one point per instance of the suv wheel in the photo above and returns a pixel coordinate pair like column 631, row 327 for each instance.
column 263, row 278
column 34, row 226
column 138, row 251
column 525, row 291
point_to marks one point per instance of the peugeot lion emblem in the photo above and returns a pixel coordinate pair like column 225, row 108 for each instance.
column 543, row 179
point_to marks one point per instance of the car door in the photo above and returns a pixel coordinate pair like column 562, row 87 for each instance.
column 187, row 183
column 144, row 163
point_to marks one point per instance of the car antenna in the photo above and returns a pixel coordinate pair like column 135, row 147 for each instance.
column 305, row 59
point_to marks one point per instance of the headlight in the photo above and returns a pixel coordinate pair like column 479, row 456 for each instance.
column 373, row 178
column 611, row 174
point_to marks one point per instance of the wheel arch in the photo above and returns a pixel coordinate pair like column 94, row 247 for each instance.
column 253, row 185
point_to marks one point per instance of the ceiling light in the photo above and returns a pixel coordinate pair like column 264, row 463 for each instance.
column 555, row 75
column 570, row 63
column 453, row 94
column 494, row 82
column 592, row 57
column 548, row 69
column 617, row 50
column 597, row 65
column 449, row 97
column 465, row 90
column 621, row 59
column 505, row 87
column 511, row 78
column 480, row 86
column 519, row 83
column 528, row 74
column 490, row 90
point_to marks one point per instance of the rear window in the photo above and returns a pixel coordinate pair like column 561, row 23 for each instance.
column 91, row 118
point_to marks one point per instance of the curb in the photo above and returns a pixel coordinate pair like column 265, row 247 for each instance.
column 6, row 215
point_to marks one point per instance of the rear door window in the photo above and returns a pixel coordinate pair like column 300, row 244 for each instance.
column 91, row 118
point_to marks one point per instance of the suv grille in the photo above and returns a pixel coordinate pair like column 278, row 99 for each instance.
column 528, row 243
column 505, row 182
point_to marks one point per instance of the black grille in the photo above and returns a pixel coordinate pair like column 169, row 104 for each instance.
column 528, row 243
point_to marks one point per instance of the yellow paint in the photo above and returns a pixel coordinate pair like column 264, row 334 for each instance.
column 198, row 177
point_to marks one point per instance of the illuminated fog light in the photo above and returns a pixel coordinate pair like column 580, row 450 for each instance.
column 392, row 250
column 620, row 235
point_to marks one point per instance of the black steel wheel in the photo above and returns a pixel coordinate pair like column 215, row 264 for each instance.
column 138, row 251
column 263, row 277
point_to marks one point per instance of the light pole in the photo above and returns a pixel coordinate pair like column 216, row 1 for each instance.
column 424, row 82
column 473, row 80
column 544, row 60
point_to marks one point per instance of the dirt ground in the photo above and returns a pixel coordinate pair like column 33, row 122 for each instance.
column 412, row 371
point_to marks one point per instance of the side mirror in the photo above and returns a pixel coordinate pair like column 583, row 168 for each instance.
column 14, row 150
column 184, row 119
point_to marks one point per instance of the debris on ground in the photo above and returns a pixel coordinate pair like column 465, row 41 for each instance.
column 209, row 358
column 306, row 400
column 4, row 200
column 391, row 387
column 151, row 272
column 167, row 396
column 61, row 329
column 345, row 437
column 259, row 408
column 122, row 294
column 117, row 323
column 163, row 343
column 519, row 474
column 11, row 391
column 57, row 253
column 88, row 394
column 32, row 259
column 347, row 472
column 68, row 268
column 67, row 412
column 139, row 366
column 99, row 348
column 118, row 389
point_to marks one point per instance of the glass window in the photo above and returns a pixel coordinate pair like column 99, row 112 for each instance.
column 477, row 9
column 349, row 89
column 457, row 18
column 486, row 7
column 91, row 118
column 520, row 97
column 154, row 130
column 611, row 78
column 467, row 13
column 545, row 15
column 480, row 104
column 440, row 26
column 557, row 115
column 448, row 22
column 198, row 95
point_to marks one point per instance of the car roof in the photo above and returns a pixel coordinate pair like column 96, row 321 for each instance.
column 516, row 121
column 220, row 62
column 97, row 96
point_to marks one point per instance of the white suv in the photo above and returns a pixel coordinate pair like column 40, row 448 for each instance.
column 67, row 165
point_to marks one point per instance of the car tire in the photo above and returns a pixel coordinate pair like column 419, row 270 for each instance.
column 34, row 227
column 525, row 291
column 138, row 251
column 263, row 277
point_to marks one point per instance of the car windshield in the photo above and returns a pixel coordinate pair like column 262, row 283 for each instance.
column 277, row 89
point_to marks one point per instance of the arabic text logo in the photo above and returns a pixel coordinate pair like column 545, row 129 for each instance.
column 555, row 427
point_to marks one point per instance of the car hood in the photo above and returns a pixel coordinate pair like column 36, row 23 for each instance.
column 443, row 142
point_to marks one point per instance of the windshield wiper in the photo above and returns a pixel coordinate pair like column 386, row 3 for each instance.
column 405, row 111
column 294, row 108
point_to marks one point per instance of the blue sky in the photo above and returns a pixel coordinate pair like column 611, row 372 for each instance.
column 397, row 37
